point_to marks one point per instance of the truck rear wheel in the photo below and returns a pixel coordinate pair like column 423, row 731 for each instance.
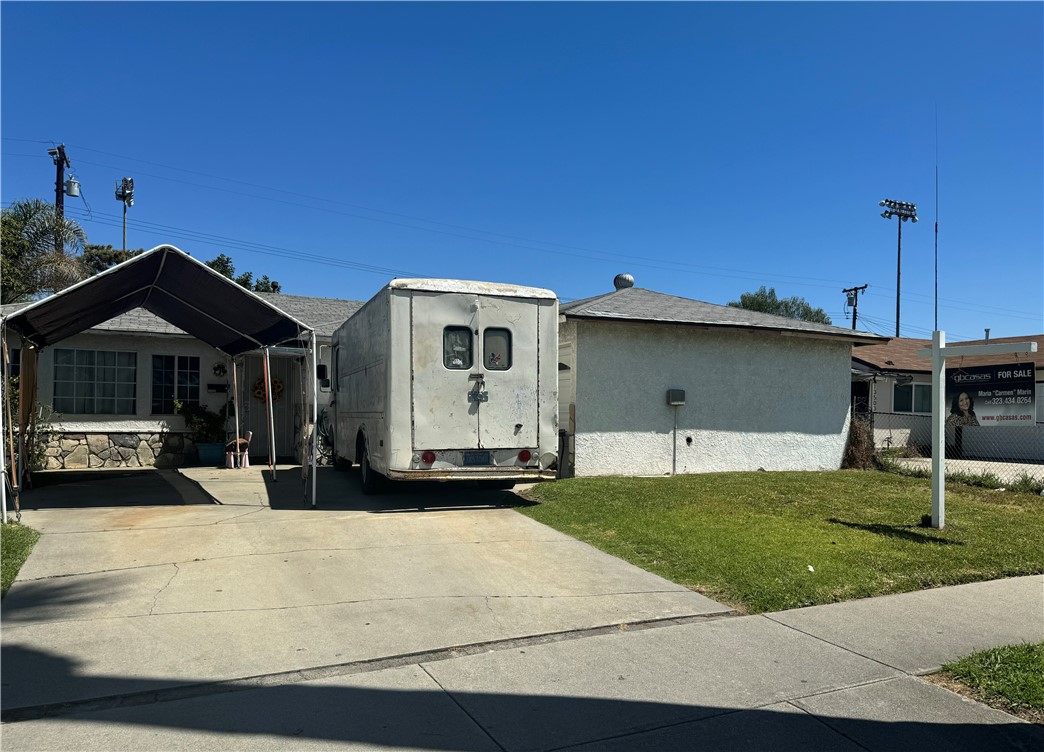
column 371, row 479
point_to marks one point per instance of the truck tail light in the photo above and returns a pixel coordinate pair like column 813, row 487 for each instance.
column 525, row 455
column 428, row 457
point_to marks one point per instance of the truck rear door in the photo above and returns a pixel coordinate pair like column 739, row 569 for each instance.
column 507, row 362
column 444, row 356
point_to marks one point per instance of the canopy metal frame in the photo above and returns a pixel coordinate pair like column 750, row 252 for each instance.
column 186, row 293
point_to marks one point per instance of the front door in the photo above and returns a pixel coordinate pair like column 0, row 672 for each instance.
column 253, row 408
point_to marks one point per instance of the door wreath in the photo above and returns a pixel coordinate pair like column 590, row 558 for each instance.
column 259, row 389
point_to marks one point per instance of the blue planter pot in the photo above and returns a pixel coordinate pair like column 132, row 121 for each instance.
column 211, row 455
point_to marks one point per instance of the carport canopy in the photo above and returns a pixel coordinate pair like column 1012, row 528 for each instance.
column 181, row 290
column 176, row 287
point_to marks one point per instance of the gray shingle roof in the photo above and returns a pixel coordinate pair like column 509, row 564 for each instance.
column 322, row 314
column 639, row 304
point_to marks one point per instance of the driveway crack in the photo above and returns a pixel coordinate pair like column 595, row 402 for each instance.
column 177, row 570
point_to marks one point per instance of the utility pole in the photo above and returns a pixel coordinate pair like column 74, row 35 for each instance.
column 853, row 300
column 905, row 211
column 61, row 161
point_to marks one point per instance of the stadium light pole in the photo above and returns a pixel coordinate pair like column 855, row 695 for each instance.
column 906, row 212
column 125, row 195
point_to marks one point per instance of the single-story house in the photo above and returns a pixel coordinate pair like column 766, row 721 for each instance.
column 110, row 390
column 892, row 385
column 759, row 391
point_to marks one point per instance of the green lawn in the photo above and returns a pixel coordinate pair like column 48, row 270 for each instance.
column 16, row 542
column 768, row 541
column 1011, row 678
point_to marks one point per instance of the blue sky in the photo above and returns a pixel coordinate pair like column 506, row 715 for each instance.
column 705, row 148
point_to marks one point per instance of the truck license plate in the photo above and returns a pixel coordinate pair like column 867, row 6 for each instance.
column 476, row 458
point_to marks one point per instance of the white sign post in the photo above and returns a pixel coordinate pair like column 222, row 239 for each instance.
column 939, row 352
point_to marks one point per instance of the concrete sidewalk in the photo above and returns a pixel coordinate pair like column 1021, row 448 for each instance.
column 830, row 677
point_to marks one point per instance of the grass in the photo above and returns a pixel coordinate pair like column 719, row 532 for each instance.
column 772, row 541
column 16, row 543
column 1009, row 678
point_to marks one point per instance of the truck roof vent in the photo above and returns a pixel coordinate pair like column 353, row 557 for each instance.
column 623, row 281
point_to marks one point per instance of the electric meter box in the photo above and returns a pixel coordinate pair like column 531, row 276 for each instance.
column 675, row 396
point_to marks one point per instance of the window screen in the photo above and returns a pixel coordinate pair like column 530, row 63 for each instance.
column 456, row 347
column 496, row 349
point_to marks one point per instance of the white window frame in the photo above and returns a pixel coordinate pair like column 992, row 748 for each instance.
column 96, row 385
column 187, row 399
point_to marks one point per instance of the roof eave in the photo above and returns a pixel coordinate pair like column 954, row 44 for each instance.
column 857, row 340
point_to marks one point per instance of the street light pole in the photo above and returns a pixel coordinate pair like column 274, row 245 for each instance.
column 905, row 211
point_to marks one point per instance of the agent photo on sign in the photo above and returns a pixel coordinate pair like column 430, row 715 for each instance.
column 962, row 411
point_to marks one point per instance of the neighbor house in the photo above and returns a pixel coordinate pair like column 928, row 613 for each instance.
column 654, row 384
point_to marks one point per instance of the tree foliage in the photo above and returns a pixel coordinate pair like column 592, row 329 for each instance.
column 40, row 251
column 98, row 258
column 765, row 301
column 223, row 265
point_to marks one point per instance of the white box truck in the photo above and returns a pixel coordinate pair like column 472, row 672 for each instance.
column 443, row 379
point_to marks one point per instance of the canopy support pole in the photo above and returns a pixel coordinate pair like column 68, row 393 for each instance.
column 3, row 465
column 270, row 416
column 16, row 481
column 236, row 454
column 314, row 376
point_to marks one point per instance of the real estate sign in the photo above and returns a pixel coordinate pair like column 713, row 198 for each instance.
column 990, row 395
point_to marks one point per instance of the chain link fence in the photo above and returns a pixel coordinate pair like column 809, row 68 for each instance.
column 991, row 456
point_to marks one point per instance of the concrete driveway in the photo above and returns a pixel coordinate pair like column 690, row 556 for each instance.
column 134, row 597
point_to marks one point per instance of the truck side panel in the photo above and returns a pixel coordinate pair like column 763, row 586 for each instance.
column 361, row 372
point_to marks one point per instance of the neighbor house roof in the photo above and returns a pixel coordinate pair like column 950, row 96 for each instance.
column 900, row 354
column 324, row 315
column 639, row 304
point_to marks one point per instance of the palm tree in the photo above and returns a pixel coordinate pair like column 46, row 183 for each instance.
column 40, row 251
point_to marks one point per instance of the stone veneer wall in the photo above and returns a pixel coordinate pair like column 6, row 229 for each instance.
column 78, row 451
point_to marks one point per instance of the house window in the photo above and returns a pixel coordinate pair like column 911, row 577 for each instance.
column 15, row 362
column 496, row 349
column 174, row 377
column 456, row 347
column 912, row 398
column 95, row 382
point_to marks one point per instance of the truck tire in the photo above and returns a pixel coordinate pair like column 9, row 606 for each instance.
column 341, row 464
column 370, row 478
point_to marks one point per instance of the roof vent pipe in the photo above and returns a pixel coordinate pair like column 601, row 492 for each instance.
column 623, row 281
column 987, row 336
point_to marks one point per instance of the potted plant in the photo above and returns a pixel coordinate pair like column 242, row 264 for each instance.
column 208, row 430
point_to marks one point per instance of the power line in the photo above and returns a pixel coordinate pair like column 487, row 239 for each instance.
column 222, row 241
column 602, row 255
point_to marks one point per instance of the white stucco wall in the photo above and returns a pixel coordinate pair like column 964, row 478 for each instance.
column 753, row 400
